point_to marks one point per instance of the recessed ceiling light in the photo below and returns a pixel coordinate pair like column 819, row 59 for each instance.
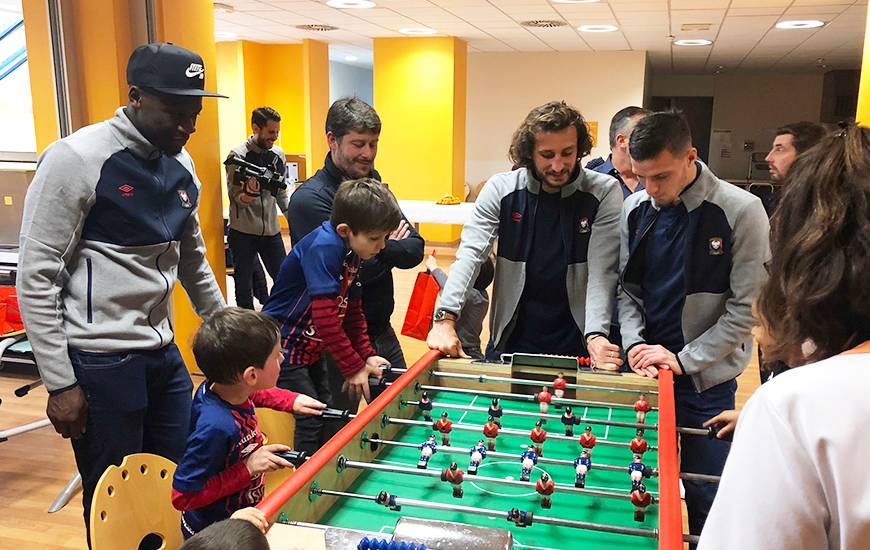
column 574, row 1
column 417, row 31
column 351, row 58
column 317, row 28
column 805, row 24
column 350, row 4
column 225, row 34
column 597, row 28
column 693, row 42
column 224, row 7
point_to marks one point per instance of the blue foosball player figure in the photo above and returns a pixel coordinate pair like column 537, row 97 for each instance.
column 519, row 517
column 582, row 464
column 569, row 420
column 478, row 453
column 425, row 405
column 386, row 499
column 638, row 471
column 529, row 459
column 427, row 449
column 495, row 411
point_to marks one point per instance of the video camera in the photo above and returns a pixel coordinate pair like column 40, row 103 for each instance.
column 268, row 178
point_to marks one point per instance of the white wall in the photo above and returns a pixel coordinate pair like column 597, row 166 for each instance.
column 504, row 87
column 349, row 80
column 752, row 106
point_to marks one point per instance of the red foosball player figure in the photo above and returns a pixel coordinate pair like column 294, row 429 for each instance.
column 641, row 500
column 638, row 445
column 454, row 476
column 490, row 431
column 587, row 440
column 559, row 385
column 641, row 407
column 545, row 488
column 544, row 398
column 445, row 426
column 538, row 435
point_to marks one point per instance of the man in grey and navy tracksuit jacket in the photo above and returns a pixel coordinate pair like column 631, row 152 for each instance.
column 692, row 254
column 557, row 226
column 110, row 223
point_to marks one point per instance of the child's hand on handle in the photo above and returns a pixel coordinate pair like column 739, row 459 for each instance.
column 265, row 460
column 307, row 405
column 252, row 515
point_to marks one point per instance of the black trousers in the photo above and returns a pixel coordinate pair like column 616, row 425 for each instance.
column 245, row 249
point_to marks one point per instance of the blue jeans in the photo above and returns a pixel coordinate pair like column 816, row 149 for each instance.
column 699, row 454
column 138, row 401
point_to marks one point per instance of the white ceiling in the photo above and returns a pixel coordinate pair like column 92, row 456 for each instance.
column 742, row 31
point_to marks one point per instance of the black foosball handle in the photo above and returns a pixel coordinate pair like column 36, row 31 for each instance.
column 334, row 414
column 713, row 431
column 296, row 458
column 377, row 382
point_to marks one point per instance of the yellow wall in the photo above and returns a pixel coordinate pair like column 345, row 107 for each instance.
column 273, row 77
column 41, row 76
column 234, row 127
column 863, row 116
column 316, row 104
column 101, row 64
column 190, row 24
column 419, row 91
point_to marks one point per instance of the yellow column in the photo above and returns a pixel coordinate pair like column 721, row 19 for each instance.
column 315, row 68
column 190, row 24
column 36, row 31
column 232, row 118
column 863, row 116
column 419, row 91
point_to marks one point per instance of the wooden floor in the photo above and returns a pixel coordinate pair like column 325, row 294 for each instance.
column 35, row 466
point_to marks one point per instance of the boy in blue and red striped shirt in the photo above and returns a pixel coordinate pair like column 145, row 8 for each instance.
column 223, row 464
column 317, row 301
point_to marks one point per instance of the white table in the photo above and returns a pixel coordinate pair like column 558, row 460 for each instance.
column 419, row 212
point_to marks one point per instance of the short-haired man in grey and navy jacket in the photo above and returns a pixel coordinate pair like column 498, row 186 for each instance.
column 692, row 253
column 110, row 223
column 557, row 225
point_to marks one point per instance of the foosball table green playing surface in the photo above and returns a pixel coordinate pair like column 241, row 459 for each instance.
column 415, row 466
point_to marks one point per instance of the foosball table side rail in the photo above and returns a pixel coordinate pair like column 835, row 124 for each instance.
column 293, row 496
column 670, row 510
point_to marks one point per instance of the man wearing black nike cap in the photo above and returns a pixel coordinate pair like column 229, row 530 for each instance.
column 110, row 222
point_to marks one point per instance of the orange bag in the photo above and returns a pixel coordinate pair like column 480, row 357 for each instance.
column 418, row 319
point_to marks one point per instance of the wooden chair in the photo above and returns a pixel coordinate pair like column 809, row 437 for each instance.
column 132, row 502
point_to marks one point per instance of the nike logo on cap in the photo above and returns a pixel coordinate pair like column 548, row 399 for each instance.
column 195, row 69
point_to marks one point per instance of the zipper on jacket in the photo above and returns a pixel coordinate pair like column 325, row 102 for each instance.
column 628, row 260
column 90, row 290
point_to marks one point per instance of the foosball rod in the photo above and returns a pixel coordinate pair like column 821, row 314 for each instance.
column 648, row 533
column 494, row 480
column 508, row 412
column 524, row 397
column 506, row 431
column 528, row 382
column 497, row 454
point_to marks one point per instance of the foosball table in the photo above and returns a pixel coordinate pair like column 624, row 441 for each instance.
column 461, row 454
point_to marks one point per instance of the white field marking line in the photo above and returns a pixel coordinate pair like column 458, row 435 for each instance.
column 461, row 418
column 518, row 543
column 607, row 428
column 381, row 530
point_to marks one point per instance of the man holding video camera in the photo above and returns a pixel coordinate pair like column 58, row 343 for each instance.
column 254, row 195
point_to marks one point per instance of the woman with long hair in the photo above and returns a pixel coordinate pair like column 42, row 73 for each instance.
column 797, row 473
